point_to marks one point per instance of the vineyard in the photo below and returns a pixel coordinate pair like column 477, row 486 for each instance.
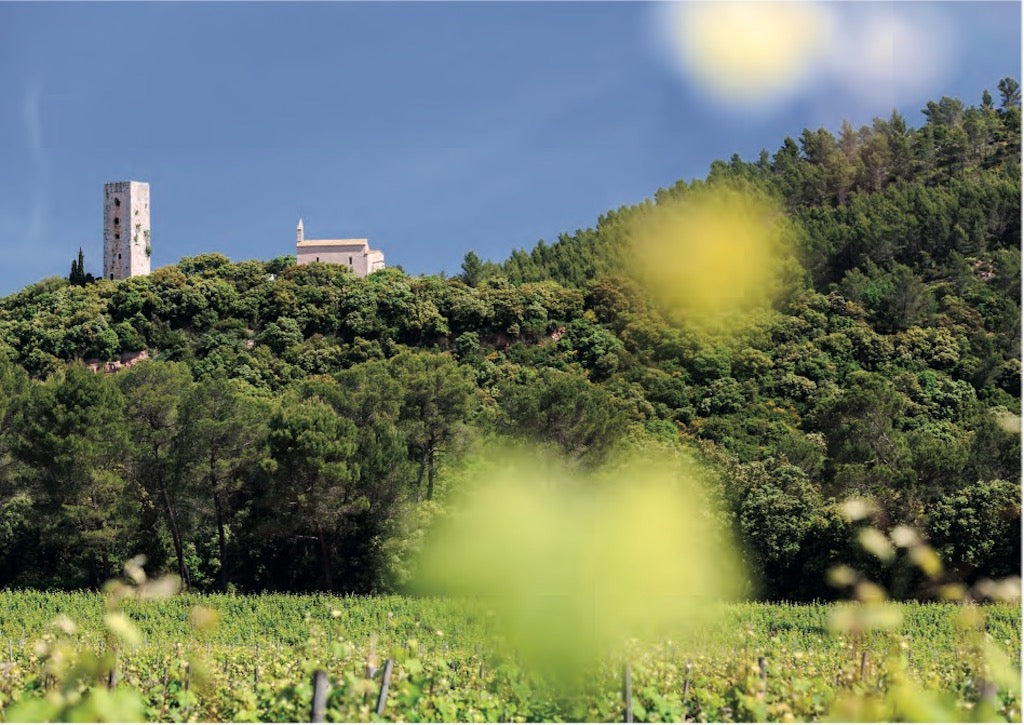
column 73, row 656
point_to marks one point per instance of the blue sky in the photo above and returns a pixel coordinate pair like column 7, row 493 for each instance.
column 431, row 128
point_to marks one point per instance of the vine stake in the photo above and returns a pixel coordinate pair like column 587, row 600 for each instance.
column 383, row 697
column 627, row 691
column 319, row 709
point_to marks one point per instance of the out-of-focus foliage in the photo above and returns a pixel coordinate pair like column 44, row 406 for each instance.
column 573, row 563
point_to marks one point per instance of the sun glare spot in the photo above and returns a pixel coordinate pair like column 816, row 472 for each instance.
column 748, row 51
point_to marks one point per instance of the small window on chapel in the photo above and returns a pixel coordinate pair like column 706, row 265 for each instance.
column 318, row 259
column 350, row 261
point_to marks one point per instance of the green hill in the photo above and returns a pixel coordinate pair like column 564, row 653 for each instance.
column 296, row 425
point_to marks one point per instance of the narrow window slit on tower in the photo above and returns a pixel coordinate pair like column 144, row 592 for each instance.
column 117, row 220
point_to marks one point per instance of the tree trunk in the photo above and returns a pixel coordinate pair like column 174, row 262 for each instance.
column 97, row 576
column 419, row 478
column 179, row 549
column 107, row 568
column 223, row 576
column 325, row 555
column 430, row 474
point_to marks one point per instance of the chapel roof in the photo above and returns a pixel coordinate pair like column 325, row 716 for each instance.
column 334, row 243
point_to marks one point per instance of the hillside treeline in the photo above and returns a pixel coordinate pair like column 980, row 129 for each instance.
column 296, row 426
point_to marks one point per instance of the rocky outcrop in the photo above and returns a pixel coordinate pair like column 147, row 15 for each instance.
column 126, row 360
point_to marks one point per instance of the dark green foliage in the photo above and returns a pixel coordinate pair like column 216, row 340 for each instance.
column 153, row 393
column 436, row 399
column 782, row 518
column 583, row 419
column 69, row 434
column 1009, row 93
column 977, row 528
column 311, row 460
column 79, row 276
column 221, row 436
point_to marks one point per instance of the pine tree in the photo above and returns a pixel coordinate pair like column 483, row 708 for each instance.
column 1009, row 93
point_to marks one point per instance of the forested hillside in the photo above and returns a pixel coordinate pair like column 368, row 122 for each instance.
column 296, row 427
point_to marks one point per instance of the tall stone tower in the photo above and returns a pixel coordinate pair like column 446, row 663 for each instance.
column 126, row 242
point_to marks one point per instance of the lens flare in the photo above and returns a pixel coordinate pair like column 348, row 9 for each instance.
column 574, row 564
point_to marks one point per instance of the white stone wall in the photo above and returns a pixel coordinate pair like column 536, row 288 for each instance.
column 356, row 256
column 374, row 261
column 126, row 229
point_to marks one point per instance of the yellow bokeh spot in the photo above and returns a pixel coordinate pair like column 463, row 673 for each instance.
column 842, row 576
column 715, row 255
column 856, row 508
column 927, row 560
column 204, row 619
column 905, row 536
column 952, row 592
column 869, row 592
column 875, row 542
column 573, row 564
column 1008, row 421
column 749, row 51
column 872, row 613
column 121, row 627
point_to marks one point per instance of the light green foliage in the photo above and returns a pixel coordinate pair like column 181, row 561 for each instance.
column 572, row 562
column 255, row 665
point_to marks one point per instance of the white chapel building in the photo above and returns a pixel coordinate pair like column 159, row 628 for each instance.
column 353, row 253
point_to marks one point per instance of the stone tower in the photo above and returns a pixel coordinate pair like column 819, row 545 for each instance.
column 126, row 242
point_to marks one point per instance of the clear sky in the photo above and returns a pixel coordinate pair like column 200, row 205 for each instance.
column 430, row 128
